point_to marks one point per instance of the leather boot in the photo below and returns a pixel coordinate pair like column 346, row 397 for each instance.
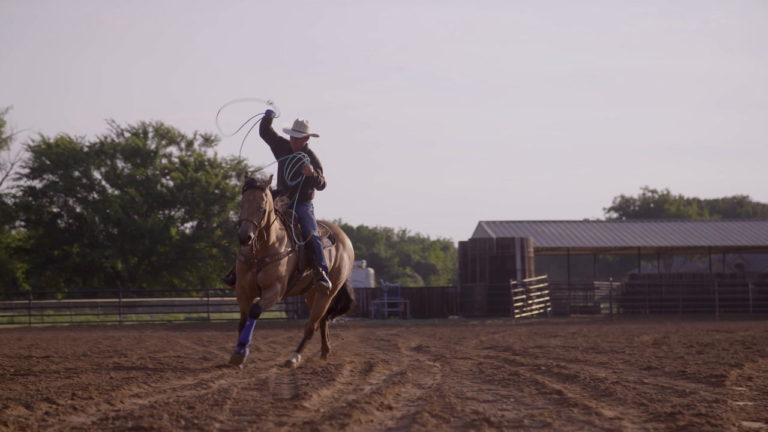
column 230, row 278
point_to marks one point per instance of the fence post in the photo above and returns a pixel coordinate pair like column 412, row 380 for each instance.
column 717, row 302
column 120, row 305
column 208, row 303
column 749, row 288
column 29, row 309
column 610, row 295
column 647, row 298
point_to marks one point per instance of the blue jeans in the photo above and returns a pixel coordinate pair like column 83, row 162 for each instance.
column 305, row 211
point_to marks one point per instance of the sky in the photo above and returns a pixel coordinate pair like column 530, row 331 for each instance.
column 432, row 115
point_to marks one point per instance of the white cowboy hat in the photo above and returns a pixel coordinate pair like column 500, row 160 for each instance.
column 300, row 129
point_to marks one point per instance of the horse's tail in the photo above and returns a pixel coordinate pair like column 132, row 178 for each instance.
column 342, row 302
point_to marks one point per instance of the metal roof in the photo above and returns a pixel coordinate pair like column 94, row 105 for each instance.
column 631, row 233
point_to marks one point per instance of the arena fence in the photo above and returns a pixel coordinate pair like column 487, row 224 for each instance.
column 422, row 302
column 126, row 306
column 702, row 294
column 160, row 306
column 712, row 295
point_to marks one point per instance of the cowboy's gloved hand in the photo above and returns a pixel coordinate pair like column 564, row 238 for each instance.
column 269, row 113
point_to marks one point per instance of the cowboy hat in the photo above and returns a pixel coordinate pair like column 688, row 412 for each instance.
column 300, row 129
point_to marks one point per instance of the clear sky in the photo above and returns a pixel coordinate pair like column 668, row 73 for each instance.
column 432, row 114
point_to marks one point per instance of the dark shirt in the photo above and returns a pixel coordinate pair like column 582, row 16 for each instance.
column 281, row 147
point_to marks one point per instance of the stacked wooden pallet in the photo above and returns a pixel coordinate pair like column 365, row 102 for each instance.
column 530, row 297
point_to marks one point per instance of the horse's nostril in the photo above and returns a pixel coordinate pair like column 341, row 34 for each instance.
column 246, row 239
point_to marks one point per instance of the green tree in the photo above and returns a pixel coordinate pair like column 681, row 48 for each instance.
column 399, row 256
column 662, row 204
column 142, row 206
column 11, row 268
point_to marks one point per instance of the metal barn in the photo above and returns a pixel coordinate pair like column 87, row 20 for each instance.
column 661, row 265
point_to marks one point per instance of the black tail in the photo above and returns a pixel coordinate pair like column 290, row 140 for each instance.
column 342, row 302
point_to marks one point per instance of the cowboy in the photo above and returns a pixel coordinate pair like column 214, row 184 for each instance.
column 300, row 193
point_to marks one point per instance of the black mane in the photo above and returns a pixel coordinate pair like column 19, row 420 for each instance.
column 260, row 183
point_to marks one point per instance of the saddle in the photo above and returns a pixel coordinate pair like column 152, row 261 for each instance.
column 305, row 261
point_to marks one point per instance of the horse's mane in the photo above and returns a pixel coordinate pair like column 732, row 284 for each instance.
column 263, row 182
column 258, row 181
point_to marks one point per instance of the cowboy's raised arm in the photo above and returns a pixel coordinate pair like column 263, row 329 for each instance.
column 279, row 145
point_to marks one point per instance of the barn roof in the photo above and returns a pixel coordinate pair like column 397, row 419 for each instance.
column 668, row 233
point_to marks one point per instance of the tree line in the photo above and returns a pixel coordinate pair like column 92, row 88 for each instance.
column 653, row 203
column 145, row 207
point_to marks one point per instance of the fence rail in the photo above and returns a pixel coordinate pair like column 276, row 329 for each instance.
column 662, row 297
column 714, row 296
column 145, row 306
column 43, row 308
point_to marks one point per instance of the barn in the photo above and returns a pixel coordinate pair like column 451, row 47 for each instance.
column 676, row 264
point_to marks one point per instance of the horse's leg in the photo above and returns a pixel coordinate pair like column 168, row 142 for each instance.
column 319, row 305
column 326, row 347
column 249, row 312
column 241, row 324
column 252, row 311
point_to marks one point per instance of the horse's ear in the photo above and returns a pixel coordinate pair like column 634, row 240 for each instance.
column 269, row 180
column 245, row 175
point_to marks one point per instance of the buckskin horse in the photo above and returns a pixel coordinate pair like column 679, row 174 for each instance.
column 269, row 268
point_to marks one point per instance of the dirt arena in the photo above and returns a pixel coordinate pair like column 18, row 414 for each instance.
column 463, row 375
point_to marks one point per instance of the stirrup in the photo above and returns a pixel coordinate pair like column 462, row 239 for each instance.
column 323, row 280
column 230, row 279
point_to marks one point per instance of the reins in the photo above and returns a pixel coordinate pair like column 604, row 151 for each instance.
column 260, row 262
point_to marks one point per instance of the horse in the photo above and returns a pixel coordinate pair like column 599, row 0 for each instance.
column 267, row 261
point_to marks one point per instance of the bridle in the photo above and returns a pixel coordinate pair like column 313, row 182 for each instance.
column 260, row 228
column 255, row 244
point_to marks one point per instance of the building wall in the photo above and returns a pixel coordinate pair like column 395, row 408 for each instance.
column 578, row 268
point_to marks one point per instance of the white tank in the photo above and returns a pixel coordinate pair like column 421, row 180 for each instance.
column 362, row 275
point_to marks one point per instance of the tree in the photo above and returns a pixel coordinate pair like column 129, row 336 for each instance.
column 399, row 256
column 662, row 204
column 11, row 268
column 142, row 206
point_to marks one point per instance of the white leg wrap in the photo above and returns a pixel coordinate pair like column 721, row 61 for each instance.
column 295, row 359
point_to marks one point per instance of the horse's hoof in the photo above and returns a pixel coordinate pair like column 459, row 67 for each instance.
column 293, row 361
column 238, row 357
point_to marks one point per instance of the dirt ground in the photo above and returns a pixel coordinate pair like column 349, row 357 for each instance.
column 464, row 375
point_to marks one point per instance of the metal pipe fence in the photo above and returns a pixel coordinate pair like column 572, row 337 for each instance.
column 714, row 297
column 32, row 308
column 711, row 296
column 127, row 306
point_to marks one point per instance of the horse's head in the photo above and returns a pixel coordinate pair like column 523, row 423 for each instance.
column 255, row 204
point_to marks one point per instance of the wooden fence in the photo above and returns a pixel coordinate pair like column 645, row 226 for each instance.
column 424, row 302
